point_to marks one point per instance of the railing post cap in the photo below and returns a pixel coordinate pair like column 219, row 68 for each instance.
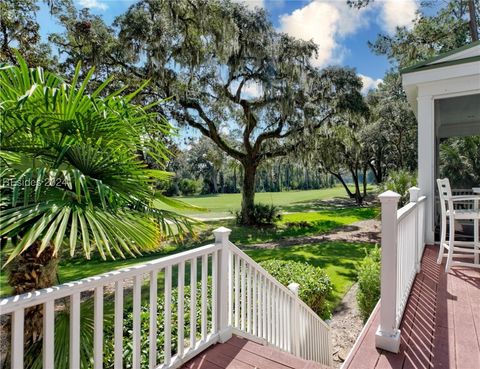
column 414, row 192
column 222, row 230
column 294, row 287
column 389, row 196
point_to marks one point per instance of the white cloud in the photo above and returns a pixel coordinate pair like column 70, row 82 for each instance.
column 93, row 4
column 252, row 4
column 326, row 23
column 369, row 83
column 397, row 13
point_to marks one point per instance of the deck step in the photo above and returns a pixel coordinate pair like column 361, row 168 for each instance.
column 241, row 353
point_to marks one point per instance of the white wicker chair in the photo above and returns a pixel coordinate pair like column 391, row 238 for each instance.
column 465, row 248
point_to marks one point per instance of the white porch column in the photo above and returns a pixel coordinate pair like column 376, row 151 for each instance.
column 426, row 160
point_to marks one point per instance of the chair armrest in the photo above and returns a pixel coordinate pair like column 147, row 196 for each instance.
column 466, row 198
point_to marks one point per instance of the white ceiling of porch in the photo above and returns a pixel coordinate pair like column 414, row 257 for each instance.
column 458, row 116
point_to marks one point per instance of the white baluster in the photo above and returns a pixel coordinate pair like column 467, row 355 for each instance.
column 118, row 328
column 152, row 355
column 49, row 334
column 181, row 309
column 18, row 320
column 254, row 304
column 137, row 290
column 237, row 291
column 242, row 294
column 98, row 328
column 204, row 318
column 75, row 331
column 168, row 315
column 193, row 302
column 215, row 304
column 294, row 319
column 249, row 295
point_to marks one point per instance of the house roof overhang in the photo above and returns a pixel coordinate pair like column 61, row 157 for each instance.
column 452, row 80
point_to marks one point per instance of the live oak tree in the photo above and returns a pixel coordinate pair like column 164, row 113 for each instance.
column 223, row 65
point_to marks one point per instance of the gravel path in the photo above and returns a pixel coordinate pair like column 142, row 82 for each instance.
column 346, row 325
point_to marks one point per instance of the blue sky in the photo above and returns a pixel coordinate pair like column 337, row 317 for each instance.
column 342, row 33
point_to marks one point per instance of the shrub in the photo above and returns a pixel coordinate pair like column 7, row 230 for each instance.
column 263, row 214
column 189, row 187
column 400, row 181
column 315, row 285
column 145, row 328
column 369, row 282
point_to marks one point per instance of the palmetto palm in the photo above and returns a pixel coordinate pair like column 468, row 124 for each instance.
column 72, row 173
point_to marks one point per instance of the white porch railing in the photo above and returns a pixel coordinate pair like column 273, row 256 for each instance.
column 403, row 242
column 244, row 299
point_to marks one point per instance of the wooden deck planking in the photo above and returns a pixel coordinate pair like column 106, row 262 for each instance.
column 440, row 327
column 240, row 353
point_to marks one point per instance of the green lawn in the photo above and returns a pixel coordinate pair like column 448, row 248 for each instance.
column 222, row 205
column 291, row 225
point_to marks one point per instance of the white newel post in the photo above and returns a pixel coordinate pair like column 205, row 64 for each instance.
column 223, row 275
column 294, row 321
column 388, row 336
column 414, row 195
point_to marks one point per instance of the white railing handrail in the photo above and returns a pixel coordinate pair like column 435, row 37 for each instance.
column 285, row 289
column 403, row 241
column 278, row 317
column 25, row 300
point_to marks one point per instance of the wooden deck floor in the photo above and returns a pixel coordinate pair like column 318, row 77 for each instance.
column 240, row 353
column 440, row 327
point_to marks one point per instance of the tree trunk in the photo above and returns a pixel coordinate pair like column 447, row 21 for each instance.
column 29, row 272
column 339, row 177
column 234, row 179
column 214, row 180
column 358, row 195
column 365, row 181
column 473, row 20
column 248, row 193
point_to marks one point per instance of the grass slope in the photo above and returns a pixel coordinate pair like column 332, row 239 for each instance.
column 222, row 205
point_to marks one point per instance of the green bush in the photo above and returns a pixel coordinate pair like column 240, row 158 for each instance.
column 189, row 187
column 263, row 214
column 369, row 282
column 400, row 181
column 315, row 285
column 145, row 328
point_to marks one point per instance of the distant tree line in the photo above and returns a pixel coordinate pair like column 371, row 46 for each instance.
column 201, row 168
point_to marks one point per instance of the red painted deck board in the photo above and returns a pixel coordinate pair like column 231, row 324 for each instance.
column 240, row 353
column 440, row 326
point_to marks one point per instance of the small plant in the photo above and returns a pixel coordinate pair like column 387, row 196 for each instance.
column 369, row 282
column 400, row 181
column 315, row 285
column 263, row 214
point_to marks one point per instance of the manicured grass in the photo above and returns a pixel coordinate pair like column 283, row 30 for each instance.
column 222, row 205
column 338, row 259
column 291, row 225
